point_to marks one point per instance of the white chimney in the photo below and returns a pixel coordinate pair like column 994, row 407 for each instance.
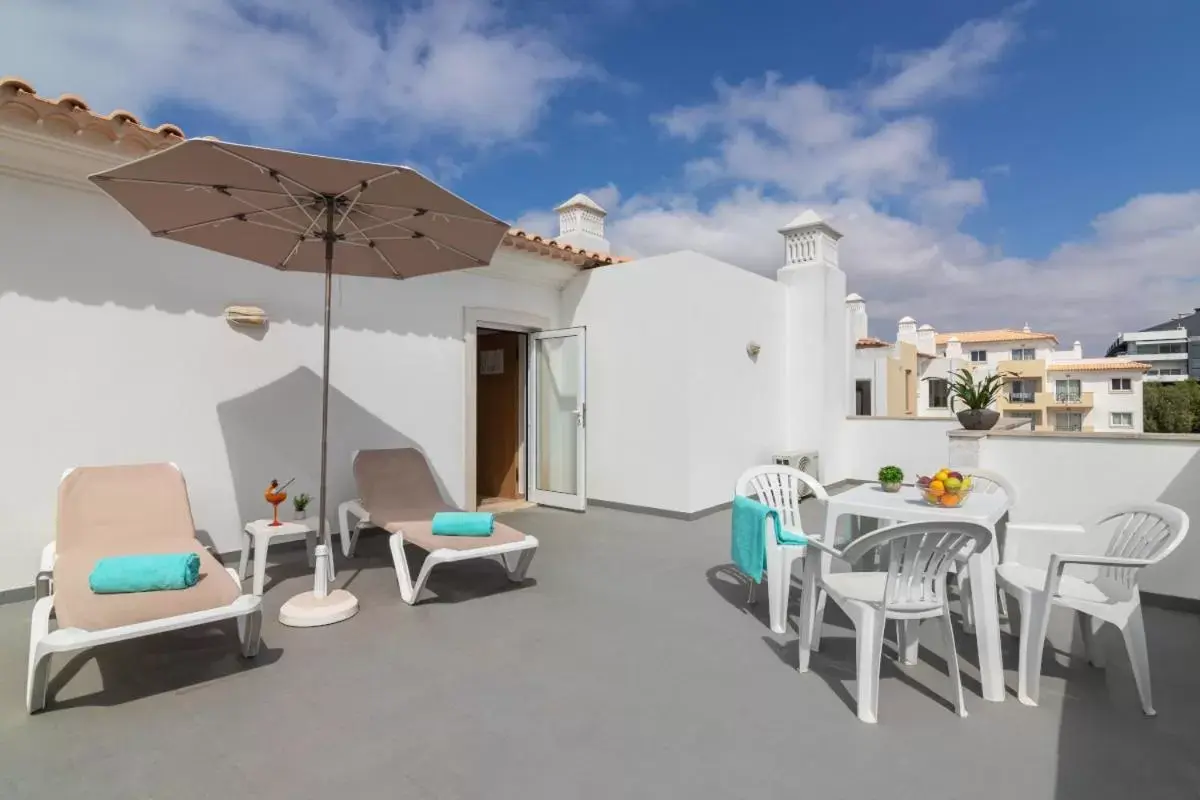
column 927, row 340
column 809, row 239
column 856, row 314
column 953, row 348
column 906, row 331
column 581, row 224
column 1077, row 349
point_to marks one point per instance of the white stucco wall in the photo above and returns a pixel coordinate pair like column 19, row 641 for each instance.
column 1106, row 401
column 114, row 350
column 918, row 446
column 1072, row 478
column 676, row 407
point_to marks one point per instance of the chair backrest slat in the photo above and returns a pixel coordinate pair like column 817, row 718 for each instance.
column 780, row 487
column 1146, row 532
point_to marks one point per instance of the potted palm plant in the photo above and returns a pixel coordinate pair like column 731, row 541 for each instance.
column 976, row 397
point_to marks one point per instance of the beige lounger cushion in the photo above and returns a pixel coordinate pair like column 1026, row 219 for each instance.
column 399, row 492
column 127, row 510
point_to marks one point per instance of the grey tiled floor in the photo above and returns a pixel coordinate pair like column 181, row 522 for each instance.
column 626, row 667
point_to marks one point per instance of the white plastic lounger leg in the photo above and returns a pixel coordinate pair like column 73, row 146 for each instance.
column 39, row 657
column 430, row 562
column 250, row 632
column 1134, row 632
column 516, row 573
column 403, row 578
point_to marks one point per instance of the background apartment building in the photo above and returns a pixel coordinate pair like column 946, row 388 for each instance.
column 1054, row 389
column 1172, row 349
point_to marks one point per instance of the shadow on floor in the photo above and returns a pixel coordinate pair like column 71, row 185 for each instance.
column 168, row 662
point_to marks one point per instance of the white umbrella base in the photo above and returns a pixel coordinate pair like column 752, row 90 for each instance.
column 306, row 610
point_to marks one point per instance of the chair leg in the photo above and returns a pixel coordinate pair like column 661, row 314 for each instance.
column 869, row 634
column 908, row 640
column 777, row 591
column 947, row 626
column 1134, row 632
column 1089, row 626
column 824, row 565
column 964, row 599
column 1035, row 617
column 810, row 611
column 422, row 576
column 39, row 659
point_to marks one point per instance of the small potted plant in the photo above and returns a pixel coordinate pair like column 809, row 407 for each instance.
column 300, row 503
column 890, row 478
column 976, row 397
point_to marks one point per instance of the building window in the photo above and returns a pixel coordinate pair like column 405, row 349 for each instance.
column 1067, row 391
column 1023, row 354
column 1020, row 392
column 1068, row 421
column 1166, row 371
column 939, row 393
column 1121, row 419
column 862, row 398
column 978, row 356
column 1121, row 385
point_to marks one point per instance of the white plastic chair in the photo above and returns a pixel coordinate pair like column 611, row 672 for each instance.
column 780, row 487
column 1106, row 557
column 912, row 589
column 983, row 482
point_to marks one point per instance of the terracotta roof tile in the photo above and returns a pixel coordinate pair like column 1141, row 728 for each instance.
column 1096, row 365
column 871, row 342
column 70, row 114
column 999, row 335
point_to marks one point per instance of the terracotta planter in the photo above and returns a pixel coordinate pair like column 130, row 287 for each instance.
column 978, row 419
column 890, row 487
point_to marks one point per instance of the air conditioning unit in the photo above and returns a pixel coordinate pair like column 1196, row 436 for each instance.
column 807, row 462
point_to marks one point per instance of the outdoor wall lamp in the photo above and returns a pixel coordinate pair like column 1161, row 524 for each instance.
column 752, row 350
column 246, row 316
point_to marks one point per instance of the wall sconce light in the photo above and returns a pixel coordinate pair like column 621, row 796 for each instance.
column 246, row 316
column 752, row 350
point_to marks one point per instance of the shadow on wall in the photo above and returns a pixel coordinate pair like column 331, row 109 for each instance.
column 275, row 432
column 109, row 258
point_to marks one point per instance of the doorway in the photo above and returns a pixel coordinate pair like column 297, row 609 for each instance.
column 862, row 398
column 500, row 418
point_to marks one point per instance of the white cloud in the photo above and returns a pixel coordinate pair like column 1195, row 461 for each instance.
column 952, row 68
column 879, row 177
column 295, row 71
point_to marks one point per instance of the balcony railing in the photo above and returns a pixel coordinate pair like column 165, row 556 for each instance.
column 1020, row 397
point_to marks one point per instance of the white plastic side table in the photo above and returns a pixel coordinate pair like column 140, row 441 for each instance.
column 257, row 535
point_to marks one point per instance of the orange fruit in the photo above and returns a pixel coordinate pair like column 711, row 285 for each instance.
column 950, row 500
column 937, row 488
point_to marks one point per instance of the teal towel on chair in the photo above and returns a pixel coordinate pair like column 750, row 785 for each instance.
column 749, row 548
column 463, row 523
column 153, row 572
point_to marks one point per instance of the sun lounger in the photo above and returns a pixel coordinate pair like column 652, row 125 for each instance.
column 397, row 492
column 125, row 510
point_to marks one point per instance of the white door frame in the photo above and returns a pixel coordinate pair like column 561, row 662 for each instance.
column 501, row 319
column 578, row 500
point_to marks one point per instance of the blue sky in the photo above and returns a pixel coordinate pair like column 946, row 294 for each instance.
column 990, row 163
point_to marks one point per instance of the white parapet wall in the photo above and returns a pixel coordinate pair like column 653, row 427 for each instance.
column 917, row 445
column 1071, row 477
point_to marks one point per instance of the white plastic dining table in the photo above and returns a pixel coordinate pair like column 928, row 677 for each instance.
column 868, row 500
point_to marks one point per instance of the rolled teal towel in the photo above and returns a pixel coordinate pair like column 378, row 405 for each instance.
column 153, row 572
column 463, row 523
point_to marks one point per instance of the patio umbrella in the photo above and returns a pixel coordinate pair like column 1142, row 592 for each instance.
column 305, row 213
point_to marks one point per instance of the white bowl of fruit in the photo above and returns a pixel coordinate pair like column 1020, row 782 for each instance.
column 946, row 488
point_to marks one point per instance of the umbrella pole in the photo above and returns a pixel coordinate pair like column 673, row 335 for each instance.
column 322, row 606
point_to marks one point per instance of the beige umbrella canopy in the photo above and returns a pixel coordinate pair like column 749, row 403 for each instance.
column 304, row 213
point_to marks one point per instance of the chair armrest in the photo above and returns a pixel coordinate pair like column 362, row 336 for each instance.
column 1033, row 543
column 1060, row 561
column 818, row 544
column 43, row 582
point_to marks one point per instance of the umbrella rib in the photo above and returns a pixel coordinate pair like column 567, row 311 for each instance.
column 349, row 208
column 283, row 265
column 208, row 187
column 284, row 220
column 432, row 212
column 241, row 216
column 382, row 223
column 369, row 243
column 274, row 173
column 299, row 205
column 364, row 184
column 427, row 237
